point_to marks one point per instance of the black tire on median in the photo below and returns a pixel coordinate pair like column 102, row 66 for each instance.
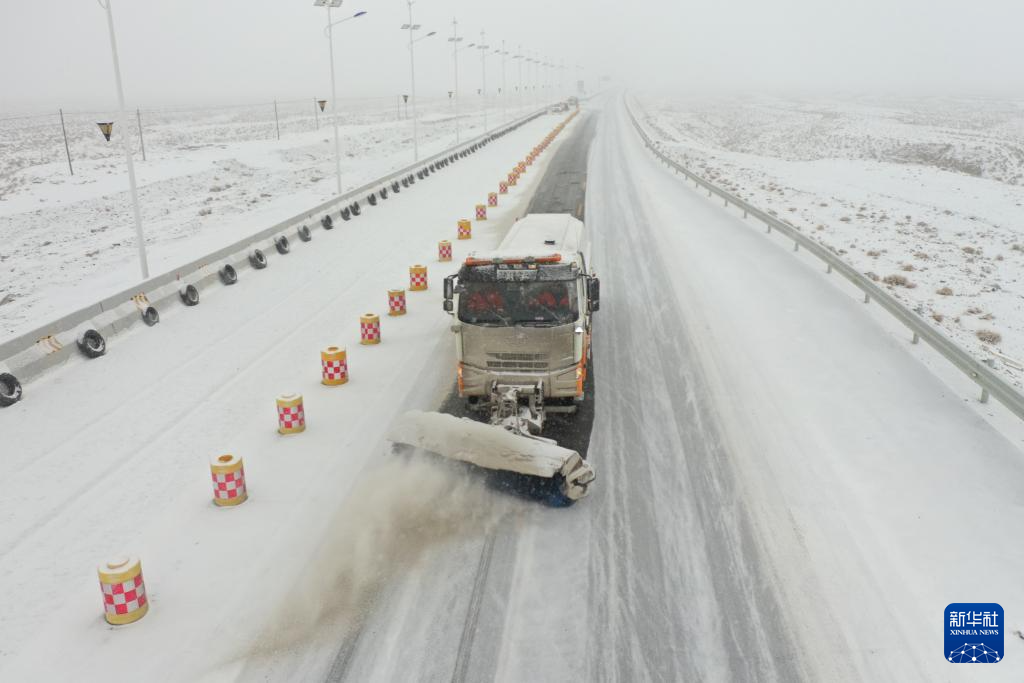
column 372, row 199
column 396, row 187
column 327, row 222
column 92, row 344
column 346, row 214
column 282, row 244
column 10, row 390
column 355, row 209
column 257, row 259
column 150, row 316
column 189, row 295
column 383, row 193
column 228, row 274
column 304, row 234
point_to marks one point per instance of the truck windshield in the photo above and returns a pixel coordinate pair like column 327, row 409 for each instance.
column 523, row 303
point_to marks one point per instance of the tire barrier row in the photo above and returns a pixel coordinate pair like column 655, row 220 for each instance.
column 123, row 588
column 110, row 318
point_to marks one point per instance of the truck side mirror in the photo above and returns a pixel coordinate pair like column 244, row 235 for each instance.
column 449, row 293
column 594, row 290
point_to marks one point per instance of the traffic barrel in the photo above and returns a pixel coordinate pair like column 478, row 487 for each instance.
column 291, row 415
column 417, row 278
column 503, row 187
column 465, row 229
column 481, row 212
column 444, row 250
column 369, row 329
column 124, row 590
column 396, row 302
column 492, row 199
column 334, row 364
column 228, row 476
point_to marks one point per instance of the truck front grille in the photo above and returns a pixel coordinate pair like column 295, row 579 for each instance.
column 517, row 362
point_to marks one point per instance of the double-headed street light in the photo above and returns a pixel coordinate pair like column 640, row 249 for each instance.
column 329, row 33
column 412, row 28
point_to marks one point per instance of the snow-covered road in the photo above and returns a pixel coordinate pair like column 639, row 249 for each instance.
column 784, row 491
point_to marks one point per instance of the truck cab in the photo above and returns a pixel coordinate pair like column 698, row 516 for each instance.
column 523, row 316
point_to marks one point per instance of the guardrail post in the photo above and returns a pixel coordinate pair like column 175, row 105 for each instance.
column 916, row 338
column 984, row 395
column 828, row 268
column 796, row 246
column 769, row 226
column 725, row 203
column 744, row 213
column 867, row 298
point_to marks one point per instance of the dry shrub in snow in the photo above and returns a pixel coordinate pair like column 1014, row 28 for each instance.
column 988, row 336
column 898, row 281
column 1017, row 247
column 845, row 219
column 871, row 276
column 969, row 250
column 938, row 317
column 908, row 267
column 973, row 310
column 944, row 291
column 873, row 253
column 921, row 255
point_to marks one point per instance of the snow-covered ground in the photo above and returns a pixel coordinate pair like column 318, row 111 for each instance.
column 110, row 456
column 210, row 178
column 923, row 195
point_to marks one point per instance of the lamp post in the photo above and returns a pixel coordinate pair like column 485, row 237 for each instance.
column 483, row 66
column 412, row 28
column 504, row 89
column 455, row 40
column 519, row 87
column 329, row 33
column 140, row 238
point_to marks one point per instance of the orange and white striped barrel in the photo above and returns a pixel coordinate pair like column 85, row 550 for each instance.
column 396, row 302
column 492, row 199
column 465, row 229
column 334, row 363
column 503, row 187
column 124, row 591
column 291, row 414
column 417, row 278
column 513, row 178
column 228, row 476
column 481, row 212
column 369, row 329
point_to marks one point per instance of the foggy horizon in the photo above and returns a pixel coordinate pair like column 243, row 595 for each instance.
column 204, row 54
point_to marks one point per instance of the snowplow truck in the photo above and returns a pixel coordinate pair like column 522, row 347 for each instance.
column 522, row 338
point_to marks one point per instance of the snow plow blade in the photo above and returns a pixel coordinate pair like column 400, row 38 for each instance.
column 494, row 448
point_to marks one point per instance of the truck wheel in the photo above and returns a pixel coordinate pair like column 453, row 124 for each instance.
column 556, row 497
column 10, row 390
column 92, row 344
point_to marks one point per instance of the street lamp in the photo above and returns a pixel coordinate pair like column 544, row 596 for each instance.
column 455, row 40
column 412, row 28
column 143, row 263
column 329, row 33
column 483, row 47
column 504, row 90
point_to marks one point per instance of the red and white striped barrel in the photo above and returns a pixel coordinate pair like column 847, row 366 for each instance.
column 369, row 329
column 444, row 250
column 124, row 590
column 503, row 187
column 291, row 414
column 522, row 167
column 396, row 302
column 228, row 476
column 334, row 362
column 465, row 229
column 513, row 178
column 492, row 199
column 481, row 212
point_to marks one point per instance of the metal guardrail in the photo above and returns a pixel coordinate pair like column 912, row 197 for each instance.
column 14, row 350
column 975, row 369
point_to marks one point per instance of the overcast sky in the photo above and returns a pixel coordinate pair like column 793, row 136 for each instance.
column 183, row 52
